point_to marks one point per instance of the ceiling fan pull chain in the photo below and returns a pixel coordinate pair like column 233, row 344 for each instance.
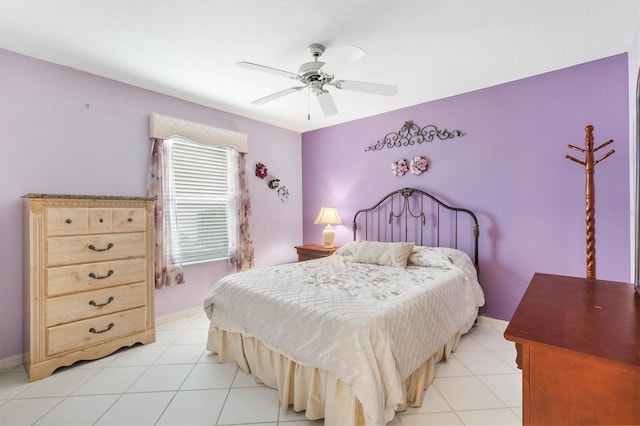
column 308, row 106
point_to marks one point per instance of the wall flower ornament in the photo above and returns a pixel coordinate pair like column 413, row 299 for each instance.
column 261, row 170
column 272, row 182
column 418, row 165
column 399, row 168
column 283, row 193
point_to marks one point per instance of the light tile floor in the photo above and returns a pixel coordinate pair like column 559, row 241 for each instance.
column 175, row 381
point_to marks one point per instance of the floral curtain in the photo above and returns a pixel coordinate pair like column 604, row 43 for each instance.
column 241, row 254
column 168, row 263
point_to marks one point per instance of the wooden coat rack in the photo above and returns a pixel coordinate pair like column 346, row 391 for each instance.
column 590, row 193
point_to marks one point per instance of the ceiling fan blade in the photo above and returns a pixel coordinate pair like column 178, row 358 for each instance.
column 326, row 103
column 263, row 68
column 362, row 86
column 277, row 95
column 340, row 58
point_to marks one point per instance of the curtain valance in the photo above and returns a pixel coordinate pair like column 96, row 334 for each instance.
column 164, row 127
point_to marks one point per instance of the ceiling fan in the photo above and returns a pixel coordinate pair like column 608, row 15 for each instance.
column 312, row 77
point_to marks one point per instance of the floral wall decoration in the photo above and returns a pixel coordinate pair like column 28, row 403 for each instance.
column 272, row 182
column 412, row 134
column 261, row 170
column 283, row 193
column 416, row 166
column 399, row 168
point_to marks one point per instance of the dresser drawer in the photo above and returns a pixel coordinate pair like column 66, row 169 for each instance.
column 94, row 248
column 73, row 279
column 100, row 221
column 74, row 307
column 79, row 334
column 67, row 221
column 128, row 220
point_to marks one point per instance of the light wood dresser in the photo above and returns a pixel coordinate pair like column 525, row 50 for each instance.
column 88, row 278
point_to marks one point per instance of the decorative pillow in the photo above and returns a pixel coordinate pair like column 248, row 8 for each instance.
column 379, row 253
column 348, row 249
column 438, row 257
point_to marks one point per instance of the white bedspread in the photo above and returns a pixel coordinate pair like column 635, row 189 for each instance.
column 371, row 326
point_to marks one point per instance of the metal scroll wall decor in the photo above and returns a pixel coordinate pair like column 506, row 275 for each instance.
column 590, row 193
column 412, row 134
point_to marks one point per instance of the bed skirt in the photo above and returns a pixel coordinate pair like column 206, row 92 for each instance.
column 318, row 392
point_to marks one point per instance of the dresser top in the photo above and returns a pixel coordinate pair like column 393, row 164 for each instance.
column 87, row 197
column 595, row 317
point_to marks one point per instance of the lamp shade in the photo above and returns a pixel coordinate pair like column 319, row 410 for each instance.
column 328, row 215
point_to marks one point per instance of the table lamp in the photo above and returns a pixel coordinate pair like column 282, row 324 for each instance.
column 328, row 216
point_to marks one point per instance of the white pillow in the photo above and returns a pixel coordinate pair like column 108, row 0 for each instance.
column 434, row 256
column 380, row 253
column 347, row 250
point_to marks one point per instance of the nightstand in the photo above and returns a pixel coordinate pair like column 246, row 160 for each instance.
column 314, row 251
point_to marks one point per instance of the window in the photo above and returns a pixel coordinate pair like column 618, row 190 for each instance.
column 200, row 176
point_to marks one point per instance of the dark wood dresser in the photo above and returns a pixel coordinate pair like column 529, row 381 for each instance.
column 578, row 343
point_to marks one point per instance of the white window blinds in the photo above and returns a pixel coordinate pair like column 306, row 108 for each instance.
column 200, row 175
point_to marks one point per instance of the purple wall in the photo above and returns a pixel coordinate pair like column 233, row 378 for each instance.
column 52, row 143
column 509, row 169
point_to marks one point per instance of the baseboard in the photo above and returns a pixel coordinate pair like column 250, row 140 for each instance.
column 11, row 362
column 179, row 314
column 499, row 325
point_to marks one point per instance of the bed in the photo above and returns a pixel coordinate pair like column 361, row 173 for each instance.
column 354, row 337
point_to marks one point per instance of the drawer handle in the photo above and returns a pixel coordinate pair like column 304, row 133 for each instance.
column 68, row 221
column 97, row 277
column 92, row 247
column 99, row 305
column 130, row 220
column 94, row 331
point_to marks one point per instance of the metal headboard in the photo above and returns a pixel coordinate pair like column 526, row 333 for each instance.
column 405, row 211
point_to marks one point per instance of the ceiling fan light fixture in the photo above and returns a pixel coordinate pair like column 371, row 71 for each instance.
column 316, row 86
column 311, row 76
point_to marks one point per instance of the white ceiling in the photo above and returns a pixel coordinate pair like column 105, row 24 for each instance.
column 431, row 49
